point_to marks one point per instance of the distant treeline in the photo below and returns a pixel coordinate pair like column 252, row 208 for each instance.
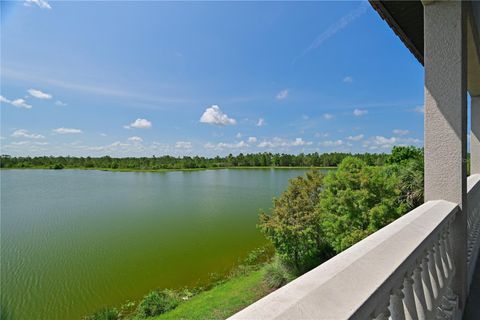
column 168, row 162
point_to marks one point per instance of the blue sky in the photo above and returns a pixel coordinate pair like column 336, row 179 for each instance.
column 207, row 78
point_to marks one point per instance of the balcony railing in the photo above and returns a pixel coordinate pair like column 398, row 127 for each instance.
column 403, row 271
column 473, row 223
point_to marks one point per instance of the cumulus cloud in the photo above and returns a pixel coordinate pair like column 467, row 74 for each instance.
column 331, row 143
column 22, row 133
column 359, row 112
column 283, row 143
column 63, row 130
column 60, row 103
column 238, row 135
column 135, row 139
column 381, row 142
column 183, row 145
column 40, row 3
column 139, row 124
column 19, row 103
column 260, row 123
column 355, row 138
column 282, row 94
column 39, row 94
column 400, row 132
column 328, row 116
column 348, row 79
column 215, row 116
column 252, row 139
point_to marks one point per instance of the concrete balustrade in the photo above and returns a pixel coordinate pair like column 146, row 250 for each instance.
column 473, row 223
column 403, row 271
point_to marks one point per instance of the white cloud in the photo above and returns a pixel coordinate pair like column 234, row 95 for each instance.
column 40, row 3
column 135, row 139
column 214, row 115
column 28, row 143
column 60, row 103
column 67, row 131
column 356, row 138
column 22, row 133
column 400, row 132
column 359, row 112
column 238, row 135
column 331, row 143
column 19, row 103
column 103, row 134
column 380, row 142
column 183, row 145
column 283, row 143
column 260, row 123
column 139, row 124
column 336, row 27
column 39, row 94
column 224, row 145
column 282, row 94
column 252, row 139
column 348, row 79
column 328, row 116
column 419, row 109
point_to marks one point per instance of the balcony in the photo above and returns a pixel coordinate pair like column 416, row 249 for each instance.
column 425, row 264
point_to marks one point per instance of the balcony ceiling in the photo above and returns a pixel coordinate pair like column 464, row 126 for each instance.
column 405, row 18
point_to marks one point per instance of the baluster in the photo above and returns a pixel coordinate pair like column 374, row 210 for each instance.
column 432, row 270
column 396, row 304
column 382, row 312
column 439, row 267
column 427, row 285
column 419, row 295
column 443, row 255
column 448, row 245
column 409, row 299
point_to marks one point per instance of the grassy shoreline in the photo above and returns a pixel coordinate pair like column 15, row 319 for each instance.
column 173, row 170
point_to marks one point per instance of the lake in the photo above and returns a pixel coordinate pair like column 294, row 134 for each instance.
column 73, row 241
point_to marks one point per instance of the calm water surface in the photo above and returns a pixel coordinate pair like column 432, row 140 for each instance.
column 73, row 241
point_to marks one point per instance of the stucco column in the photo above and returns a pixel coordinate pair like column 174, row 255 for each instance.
column 475, row 136
column 446, row 120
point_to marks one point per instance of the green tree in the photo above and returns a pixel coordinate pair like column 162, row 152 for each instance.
column 293, row 225
column 403, row 154
column 356, row 201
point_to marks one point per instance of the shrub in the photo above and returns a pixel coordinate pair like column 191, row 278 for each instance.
column 104, row 314
column 158, row 302
column 277, row 274
column 58, row 166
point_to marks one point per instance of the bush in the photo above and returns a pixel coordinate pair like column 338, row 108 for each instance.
column 58, row 166
column 277, row 274
column 158, row 302
column 104, row 314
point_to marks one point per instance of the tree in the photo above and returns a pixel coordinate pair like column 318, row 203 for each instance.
column 403, row 154
column 356, row 201
column 294, row 225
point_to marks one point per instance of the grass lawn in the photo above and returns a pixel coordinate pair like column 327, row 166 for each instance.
column 222, row 300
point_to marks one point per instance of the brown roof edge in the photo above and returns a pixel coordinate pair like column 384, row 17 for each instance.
column 392, row 22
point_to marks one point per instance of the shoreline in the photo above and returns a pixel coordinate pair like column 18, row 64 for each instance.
column 179, row 169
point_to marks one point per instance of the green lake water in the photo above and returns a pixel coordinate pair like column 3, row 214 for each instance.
column 73, row 241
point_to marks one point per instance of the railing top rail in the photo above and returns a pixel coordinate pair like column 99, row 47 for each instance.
column 355, row 282
column 473, row 182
